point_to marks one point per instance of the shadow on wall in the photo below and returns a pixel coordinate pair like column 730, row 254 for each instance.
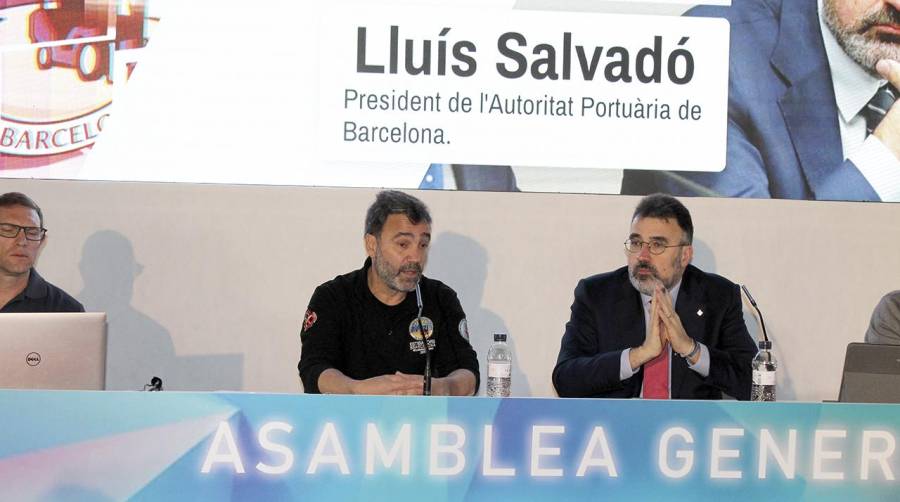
column 462, row 263
column 139, row 347
column 705, row 260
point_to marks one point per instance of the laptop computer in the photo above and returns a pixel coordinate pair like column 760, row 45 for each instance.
column 871, row 374
column 53, row 351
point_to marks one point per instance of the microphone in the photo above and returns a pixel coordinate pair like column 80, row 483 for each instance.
column 753, row 303
column 426, row 384
column 419, row 299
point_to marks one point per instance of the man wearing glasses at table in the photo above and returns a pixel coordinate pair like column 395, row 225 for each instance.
column 22, row 236
column 658, row 328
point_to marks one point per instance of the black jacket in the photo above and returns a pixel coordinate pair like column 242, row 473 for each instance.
column 348, row 329
column 607, row 318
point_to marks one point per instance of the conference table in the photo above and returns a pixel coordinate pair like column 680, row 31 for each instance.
column 83, row 445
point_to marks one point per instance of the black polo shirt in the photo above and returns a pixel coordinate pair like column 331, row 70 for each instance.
column 41, row 296
column 347, row 328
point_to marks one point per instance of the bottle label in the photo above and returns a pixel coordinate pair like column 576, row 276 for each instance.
column 763, row 377
column 499, row 370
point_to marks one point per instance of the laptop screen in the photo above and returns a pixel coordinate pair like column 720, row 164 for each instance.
column 53, row 351
column 871, row 374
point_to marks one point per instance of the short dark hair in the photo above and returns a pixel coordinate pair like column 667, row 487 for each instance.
column 20, row 199
column 390, row 202
column 664, row 206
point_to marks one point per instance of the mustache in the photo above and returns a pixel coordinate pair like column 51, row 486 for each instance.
column 411, row 267
column 644, row 266
column 886, row 15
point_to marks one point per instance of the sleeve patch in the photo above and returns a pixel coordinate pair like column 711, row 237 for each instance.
column 309, row 319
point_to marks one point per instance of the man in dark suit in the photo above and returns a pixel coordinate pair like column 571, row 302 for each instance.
column 625, row 339
column 800, row 104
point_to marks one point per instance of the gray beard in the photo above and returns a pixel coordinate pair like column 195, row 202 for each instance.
column 648, row 286
column 390, row 276
column 865, row 51
column 645, row 287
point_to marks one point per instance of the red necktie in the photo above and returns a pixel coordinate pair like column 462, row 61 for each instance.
column 656, row 376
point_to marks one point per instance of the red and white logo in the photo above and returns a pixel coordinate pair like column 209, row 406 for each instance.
column 60, row 59
column 309, row 319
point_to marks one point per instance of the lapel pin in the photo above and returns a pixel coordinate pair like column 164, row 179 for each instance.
column 699, row 312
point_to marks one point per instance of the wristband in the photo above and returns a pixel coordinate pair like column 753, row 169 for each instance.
column 693, row 351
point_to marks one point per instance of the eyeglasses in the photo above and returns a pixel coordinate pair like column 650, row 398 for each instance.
column 655, row 247
column 11, row 231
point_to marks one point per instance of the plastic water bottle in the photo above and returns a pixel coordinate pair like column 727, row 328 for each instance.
column 499, row 365
column 764, row 366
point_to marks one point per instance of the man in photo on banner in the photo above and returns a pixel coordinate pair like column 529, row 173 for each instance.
column 811, row 113
column 362, row 334
column 22, row 237
column 659, row 327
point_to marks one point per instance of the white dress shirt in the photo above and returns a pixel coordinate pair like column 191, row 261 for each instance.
column 853, row 88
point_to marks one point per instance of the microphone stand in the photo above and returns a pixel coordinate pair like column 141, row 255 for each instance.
column 426, row 384
column 155, row 385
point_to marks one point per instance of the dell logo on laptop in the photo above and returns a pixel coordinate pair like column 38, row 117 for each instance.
column 33, row 359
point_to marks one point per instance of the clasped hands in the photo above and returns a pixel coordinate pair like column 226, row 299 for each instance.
column 665, row 327
column 402, row 384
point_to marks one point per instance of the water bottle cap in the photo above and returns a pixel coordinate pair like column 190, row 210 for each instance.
column 765, row 344
column 499, row 337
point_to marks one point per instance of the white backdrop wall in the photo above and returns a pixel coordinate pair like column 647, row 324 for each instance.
column 206, row 285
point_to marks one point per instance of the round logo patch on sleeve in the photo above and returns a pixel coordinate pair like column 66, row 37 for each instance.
column 464, row 329
column 309, row 319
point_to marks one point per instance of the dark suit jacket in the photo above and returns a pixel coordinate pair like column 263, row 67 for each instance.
column 784, row 139
column 607, row 318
